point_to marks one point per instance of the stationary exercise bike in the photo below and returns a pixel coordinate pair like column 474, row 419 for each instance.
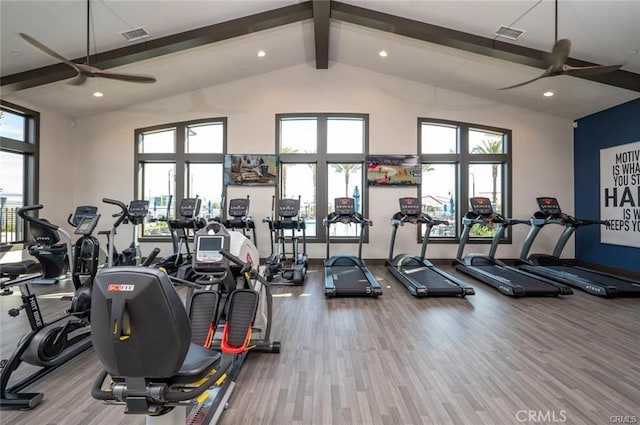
column 294, row 268
column 49, row 345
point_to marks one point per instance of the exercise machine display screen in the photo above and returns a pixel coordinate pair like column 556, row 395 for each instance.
column 190, row 207
column 481, row 206
column 208, row 249
column 344, row 206
column 138, row 208
column 87, row 225
column 82, row 211
column 410, row 206
column 288, row 208
column 238, row 207
column 549, row 206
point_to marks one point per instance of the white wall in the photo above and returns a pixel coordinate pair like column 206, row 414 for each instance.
column 102, row 163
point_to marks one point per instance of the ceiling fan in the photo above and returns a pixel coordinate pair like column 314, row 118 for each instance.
column 86, row 70
column 558, row 66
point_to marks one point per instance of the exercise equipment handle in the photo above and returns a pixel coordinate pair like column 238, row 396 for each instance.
column 246, row 267
column 22, row 212
column 122, row 206
column 152, row 256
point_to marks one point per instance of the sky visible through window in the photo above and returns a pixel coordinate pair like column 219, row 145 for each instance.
column 11, row 164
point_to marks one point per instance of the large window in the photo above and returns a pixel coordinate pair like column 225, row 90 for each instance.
column 321, row 158
column 177, row 161
column 18, row 168
column 460, row 161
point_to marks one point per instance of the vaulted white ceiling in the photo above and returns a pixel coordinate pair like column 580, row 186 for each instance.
column 602, row 32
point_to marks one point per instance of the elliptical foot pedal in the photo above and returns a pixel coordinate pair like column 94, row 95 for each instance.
column 203, row 314
column 243, row 304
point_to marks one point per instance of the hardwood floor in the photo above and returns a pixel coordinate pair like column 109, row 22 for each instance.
column 487, row 359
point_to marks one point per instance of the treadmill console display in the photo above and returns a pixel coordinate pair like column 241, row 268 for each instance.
column 288, row 208
column 238, row 207
column 208, row 249
column 138, row 208
column 81, row 212
column 481, row 206
column 344, row 206
column 190, row 207
column 87, row 225
column 410, row 206
column 549, row 206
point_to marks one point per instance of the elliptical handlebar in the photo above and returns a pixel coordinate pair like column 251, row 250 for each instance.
column 22, row 213
column 356, row 218
column 123, row 215
column 246, row 267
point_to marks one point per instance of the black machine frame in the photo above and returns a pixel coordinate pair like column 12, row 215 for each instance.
column 344, row 274
column 415, row 272
column 292, row 268
column 552, row 267
column 487, row 269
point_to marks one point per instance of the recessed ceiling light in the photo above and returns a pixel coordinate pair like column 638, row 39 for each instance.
column 98, row 94
column 383, row 53
column 548, row 94
column 261, row 54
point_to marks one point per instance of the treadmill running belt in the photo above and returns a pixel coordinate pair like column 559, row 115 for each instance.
column 429, row 278
column 349, row 280
column 624, row 287
column 531, row 285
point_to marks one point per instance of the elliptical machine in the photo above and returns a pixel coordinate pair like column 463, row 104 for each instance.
column 134, row 214
column 182, row 230
column 239, row 218
column 292, row 269
column 49, row 345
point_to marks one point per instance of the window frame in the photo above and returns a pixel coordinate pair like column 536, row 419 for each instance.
column 179, row 157
column 322, row 159
column 30, row 149
column 463, row 159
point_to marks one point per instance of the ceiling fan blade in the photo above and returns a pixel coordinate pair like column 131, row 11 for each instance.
column 545, row 74
column 560, row 53
column 79, row 80
column 35, row 43
column 124, row 77
column 589, row 70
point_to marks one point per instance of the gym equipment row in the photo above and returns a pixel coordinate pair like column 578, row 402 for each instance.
column 169, row 359
column 536, row 274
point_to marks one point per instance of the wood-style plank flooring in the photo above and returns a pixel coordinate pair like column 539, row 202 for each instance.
column 487, row 359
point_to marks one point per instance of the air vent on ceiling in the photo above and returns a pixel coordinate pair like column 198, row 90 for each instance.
column 509, row 32
column 135, row 34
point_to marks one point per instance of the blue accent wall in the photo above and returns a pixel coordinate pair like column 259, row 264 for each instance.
column 615, row 126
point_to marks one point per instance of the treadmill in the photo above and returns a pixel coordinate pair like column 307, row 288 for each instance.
column 551, row 267
column 347, row 275
column 487, row 269
column 416, row 273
